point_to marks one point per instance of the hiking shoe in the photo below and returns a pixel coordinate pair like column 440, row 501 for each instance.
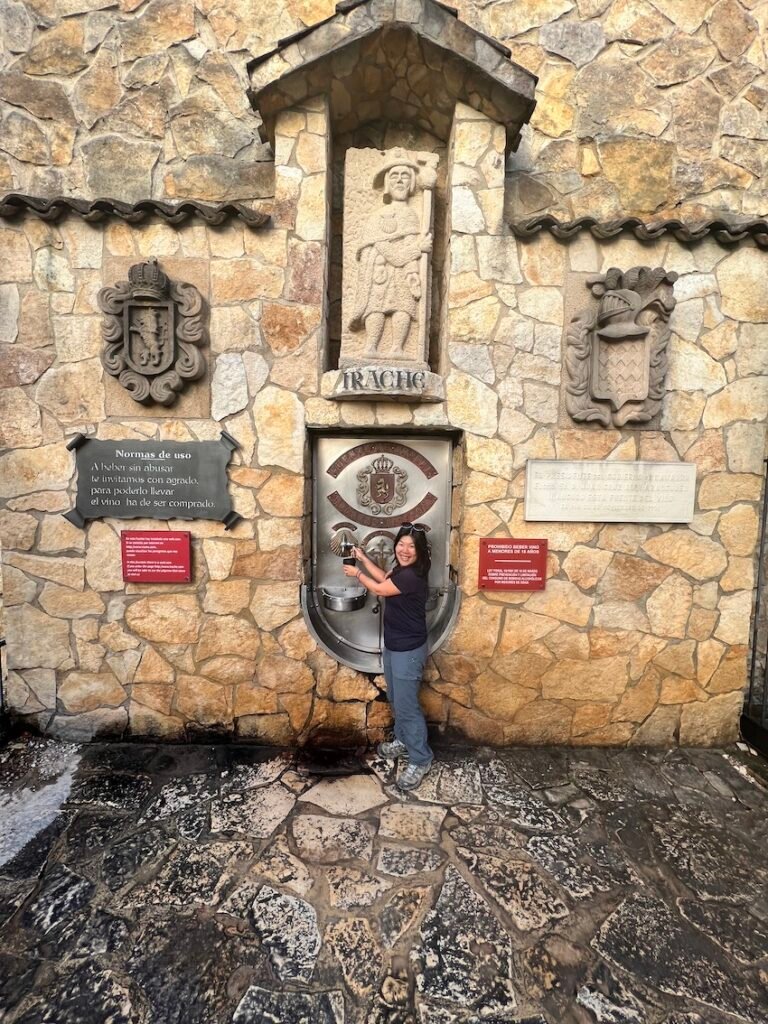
column 392, row 750
column 412, row 775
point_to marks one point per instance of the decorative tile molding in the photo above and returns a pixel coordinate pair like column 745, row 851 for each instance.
column 616, row 356
column 722, row 231
column 153, row 327
column 94, row 210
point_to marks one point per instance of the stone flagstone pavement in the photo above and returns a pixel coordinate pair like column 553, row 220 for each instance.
column 156, row 885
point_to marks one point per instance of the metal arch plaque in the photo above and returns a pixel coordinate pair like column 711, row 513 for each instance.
column 153, row 480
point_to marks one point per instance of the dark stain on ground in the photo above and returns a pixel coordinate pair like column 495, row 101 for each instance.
column 520, row 886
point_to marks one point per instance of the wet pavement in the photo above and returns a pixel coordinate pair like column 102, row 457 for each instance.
column 156, row 885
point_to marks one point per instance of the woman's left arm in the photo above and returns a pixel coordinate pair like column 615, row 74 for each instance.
column 381, row 588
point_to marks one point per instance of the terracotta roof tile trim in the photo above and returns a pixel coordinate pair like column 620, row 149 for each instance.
column 727, row 233
column 16, row 205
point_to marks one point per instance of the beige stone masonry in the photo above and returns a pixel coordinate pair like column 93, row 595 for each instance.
column 641, row 634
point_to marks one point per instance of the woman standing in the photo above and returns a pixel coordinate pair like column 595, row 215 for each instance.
column 405, row 644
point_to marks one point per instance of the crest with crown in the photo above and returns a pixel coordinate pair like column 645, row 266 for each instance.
column 382, row 486
column 147, row 280
column 383, row 464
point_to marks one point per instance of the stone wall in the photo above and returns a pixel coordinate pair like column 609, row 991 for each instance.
column 642, row 107
column 641, row 634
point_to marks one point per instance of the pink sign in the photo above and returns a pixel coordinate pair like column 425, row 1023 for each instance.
column 509, row 564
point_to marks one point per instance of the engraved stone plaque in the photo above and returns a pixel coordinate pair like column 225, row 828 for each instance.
column 573, row 491
column 388, row 204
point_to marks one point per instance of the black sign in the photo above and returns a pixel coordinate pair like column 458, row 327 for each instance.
column 153, row 480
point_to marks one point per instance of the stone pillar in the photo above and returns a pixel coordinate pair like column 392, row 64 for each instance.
column 481, row 275
column 302, row 207
column 481, row 268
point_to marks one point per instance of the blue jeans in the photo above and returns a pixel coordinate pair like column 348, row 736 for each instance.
column 402, row 671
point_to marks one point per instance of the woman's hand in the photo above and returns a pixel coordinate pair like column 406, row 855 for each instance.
column 350, row 570
column 359, row 554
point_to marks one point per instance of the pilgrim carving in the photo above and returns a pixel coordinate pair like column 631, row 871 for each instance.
column 388, row 209
column 153, row 328
column 616, row 352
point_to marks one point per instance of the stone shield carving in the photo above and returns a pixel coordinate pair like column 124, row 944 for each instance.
column 616, row 354
column 153, row 328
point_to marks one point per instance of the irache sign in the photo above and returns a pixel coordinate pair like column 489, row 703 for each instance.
column 153, row 480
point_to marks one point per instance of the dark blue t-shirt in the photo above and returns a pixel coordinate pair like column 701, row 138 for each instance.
column 405, row 616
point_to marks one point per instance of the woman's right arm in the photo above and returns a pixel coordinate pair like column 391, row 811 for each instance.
column 370, row 567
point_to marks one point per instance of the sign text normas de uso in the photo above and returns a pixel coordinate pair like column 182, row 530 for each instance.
column 153, row 480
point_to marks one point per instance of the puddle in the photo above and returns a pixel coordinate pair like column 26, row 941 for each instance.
column 24, row 813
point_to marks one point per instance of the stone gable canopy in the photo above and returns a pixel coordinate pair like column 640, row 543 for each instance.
column 399, row 60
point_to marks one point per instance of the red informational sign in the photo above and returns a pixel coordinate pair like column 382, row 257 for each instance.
column 156, row 556
column 508, row 564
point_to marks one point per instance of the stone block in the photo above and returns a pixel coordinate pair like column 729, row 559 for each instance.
column 103, row 723
column 472, row 405
column 87, row 691
column 561, row 600
column 226, row 597
column 586, row 566
column 279, row 420
column 597, row 679
column 228, row 635
column 731, row 673
column 202, row 701
column 274, row 604
column 64, row 603
column 66, row 571
column 229, row 387
column 166, row 618
column 735, row 612
column 738, row 530
column 17, row 531
column 36, row 640
column 540, row 723
column 513, row 19
column 743, row 282
column 669, row 606
column 745, row 399
column 711, row 723
column 477, row 629
column 659, row 729
column 698, row 557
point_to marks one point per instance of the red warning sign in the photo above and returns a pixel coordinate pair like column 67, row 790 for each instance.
column 508, row 564
column 156, row 556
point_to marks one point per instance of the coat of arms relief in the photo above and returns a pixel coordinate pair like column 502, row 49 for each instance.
column 153, row 329
column 616, row 353
column 382, row 487
column 388, row 241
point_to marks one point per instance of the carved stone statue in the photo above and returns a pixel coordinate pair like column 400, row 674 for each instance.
column 387, row 272
column 616, row 354
column 152, row 329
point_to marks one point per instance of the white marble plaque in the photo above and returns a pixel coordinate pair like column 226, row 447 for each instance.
column 587, row 491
